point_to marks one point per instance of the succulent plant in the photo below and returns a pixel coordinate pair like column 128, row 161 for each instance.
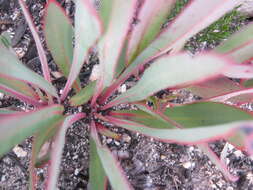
column 131, row 40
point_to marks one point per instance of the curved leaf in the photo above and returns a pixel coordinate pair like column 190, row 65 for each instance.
column 214, row 87
column 179, row 31
column 97, row 176
column 150, row 19
column 111, row 45
column 57, row 150
column 19, row 90
column 105, row 11
column 84, row 95
column 206, row 113
column 172, row 71
column 14, row 128
column 239, row 46
column 59, row 36
column 187, row 136
column 41, row 52
column 11, row 67
column 88, row 29
column 110, row 164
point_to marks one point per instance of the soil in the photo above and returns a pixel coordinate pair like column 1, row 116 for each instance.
column 149, row 164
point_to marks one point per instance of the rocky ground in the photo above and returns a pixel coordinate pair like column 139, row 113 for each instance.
column 149, row 164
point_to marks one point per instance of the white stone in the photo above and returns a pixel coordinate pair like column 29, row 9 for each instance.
column 19, row 151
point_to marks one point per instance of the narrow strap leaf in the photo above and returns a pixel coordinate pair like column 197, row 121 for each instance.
column 239, row 46
column 179, row 31
column 28, row 124
column 155, row 78
column 84, row 95
column 189, row 136
column 12, row 68
column 111, row 45
column 41, row 52
column 59, row 34
column 57, row 150
column 88, row 29
column 150, row 19
column 110, row 164
column 97, row 175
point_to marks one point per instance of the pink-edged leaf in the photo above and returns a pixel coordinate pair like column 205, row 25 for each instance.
column 145, row 118
column 189, row 136
column 187, row 116
column 167, row 72
column 111, row 45
column 14, row 128
column 97, row 175
column 40, row 141
column 239, row 46
column 12, row 68
column 88, row 29
column 244, row 95
column 58, row 145
column 105, row 10
column 19, row 90
column 84, row 95
column 150, row 19
column 205, row 114
column 215, row 87
column 110, row 164
column 41, row 52
column 59, row 34
column 240, row 71
column 27, row 99
column 179, row 31
column 222, row 89
column 219, row 163
column 248, row 83
column 4, row 111
column 107, row 132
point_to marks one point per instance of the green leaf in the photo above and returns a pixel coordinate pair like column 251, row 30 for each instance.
column 57, row 150
column 14, row 128
column 105, row 10
column 88, row 29
column 197, row 135
column 39, row 140
column 142, row 117
column 5, row 39
column 150, row 19
column 111, row 45
column 59, row 36
column 181, row 29
column 11, row 67
column 110, row 164
column 172, row 71
column 248, row 83
column 84, row 95
column 97, row 176
column 4, row 111
column 188, row 116
column 214, row 87
column 205, row 114
column 239, row 46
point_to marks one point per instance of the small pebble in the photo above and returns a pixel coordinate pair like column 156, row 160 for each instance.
column 1, row 95
column 163, row 157
column 123, row 88
column 19, row 151
column 123, row 154
column 126, row 138
column 117, row 143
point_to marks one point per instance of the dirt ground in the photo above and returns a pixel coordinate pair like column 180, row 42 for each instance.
column 149, row 164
